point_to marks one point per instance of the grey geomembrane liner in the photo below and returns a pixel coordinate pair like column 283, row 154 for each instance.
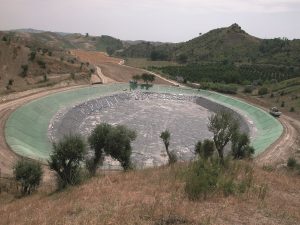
column 27, row 128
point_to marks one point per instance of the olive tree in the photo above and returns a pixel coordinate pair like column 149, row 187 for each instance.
column 223, row 126
column 166, row 137
column 148, row 78
column 65, row 160
column 98, row 141
column 240, row 146
column 29, row 174
column 118, row 145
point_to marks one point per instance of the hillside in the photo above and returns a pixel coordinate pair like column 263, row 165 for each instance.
column 156, row 196
column 27, row 63
column 229, row 44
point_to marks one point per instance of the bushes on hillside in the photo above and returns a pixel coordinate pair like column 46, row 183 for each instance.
column 222, row 88
column 29, row 174
column 205, row 178
column 24, row 70
column 66, row 159
column 263, row 91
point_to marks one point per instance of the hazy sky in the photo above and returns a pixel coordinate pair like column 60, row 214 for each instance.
column 155, row 20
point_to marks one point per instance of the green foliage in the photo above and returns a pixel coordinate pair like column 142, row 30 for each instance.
column 206, row 149
column 24, row 70
column 118, row 145
column 110, row 51
column 198, row 148
column 113, row 141
column 146, row 77
column 224, row 127
column 29, row 174
column 240, row 146
column 222, row 88
column 42, row 64
column 292, row 109
column 66, row 158
column 108, row 44
column 182, row 58
column 272, row 46
column 10, row 82
column 32, row 55
column 166, row 137
column 291, row 163
column 248, row 89
column 158, row 55
column 263, row 91
column 206, row 178
column 98, row 141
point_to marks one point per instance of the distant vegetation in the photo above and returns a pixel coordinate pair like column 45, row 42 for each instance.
column 229, row 73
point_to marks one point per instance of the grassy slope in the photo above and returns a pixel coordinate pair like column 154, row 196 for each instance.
column 156, row 196
column 291, row 97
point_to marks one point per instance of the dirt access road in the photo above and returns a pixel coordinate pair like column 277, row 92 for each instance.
column 113, row 69
column 286, row 146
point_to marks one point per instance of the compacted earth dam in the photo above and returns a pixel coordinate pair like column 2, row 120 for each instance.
column 184, row 111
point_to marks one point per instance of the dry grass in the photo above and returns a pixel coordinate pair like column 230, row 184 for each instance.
column 94, row 57
column 156, row 196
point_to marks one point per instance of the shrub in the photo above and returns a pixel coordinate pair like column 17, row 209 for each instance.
column 205, row 178
column 282, row 104
column 206, row 149
column 198, row 148
column 32, row 55
column 42, row 64
column 24, row 70
column 29, row 174
column 292, row 109
column 291, row 163
column 202, row 179
column 240, row 146
column 10, row 82
column 72, row 76
column 66, row 158
column 248, row 89
column 263, row 91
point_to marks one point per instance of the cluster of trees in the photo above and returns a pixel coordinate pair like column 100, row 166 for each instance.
column 212, row 173
column 146, row 77
column 70, row 153
column 271, row 46
column 229, row 73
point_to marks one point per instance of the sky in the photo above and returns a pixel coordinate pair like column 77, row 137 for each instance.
column 153, row 20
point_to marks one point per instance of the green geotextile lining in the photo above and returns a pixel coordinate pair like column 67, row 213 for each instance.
column 26, row 129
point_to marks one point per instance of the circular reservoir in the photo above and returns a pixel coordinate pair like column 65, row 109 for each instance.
column 184, row 111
